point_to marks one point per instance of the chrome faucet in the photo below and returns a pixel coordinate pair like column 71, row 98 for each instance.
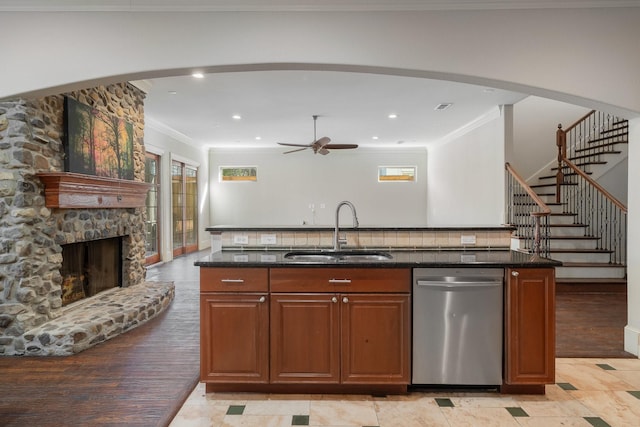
column 336, row 239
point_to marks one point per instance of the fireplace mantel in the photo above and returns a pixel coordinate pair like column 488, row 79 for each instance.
column 69, row 190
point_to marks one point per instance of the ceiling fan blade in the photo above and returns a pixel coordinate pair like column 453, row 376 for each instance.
column 323, row 151
column 293, row 151
column 295, row 145
column 322, row 141
column 341, row 146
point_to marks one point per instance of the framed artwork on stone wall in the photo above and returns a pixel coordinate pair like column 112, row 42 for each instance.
column 97, row 143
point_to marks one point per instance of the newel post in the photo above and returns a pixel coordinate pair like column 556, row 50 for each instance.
column 561, row 142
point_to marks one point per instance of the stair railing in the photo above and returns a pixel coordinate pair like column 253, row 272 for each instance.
column 603, row 214
column 528, row 213
column 585, row 142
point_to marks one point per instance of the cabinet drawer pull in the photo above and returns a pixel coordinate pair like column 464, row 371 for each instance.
column 334, row 300
column 345, row 300
column 262, row 299
column 340, row 281
column 232, row 280
column 515, row 273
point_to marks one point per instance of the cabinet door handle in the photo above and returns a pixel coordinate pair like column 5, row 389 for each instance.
column 345, row 300
column 232, row 280
column 515, row 273
column 340, row 281
column 262, row 299
column 334, row 300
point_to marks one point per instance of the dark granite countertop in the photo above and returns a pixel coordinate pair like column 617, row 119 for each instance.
column 277, row 228
column 401, row 258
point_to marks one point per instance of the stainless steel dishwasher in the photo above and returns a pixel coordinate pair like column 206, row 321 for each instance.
column 457, row 326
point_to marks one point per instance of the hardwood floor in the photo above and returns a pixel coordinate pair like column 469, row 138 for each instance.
column 142, row 378
column 591, row 324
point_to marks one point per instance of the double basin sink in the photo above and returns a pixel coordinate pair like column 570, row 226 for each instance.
column 338, row 256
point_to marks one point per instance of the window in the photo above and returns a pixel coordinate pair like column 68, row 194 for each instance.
column 184, row 192
column 397, row 173
column 152, row 223
column 238, row 173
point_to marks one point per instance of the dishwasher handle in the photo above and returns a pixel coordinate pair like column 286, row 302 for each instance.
column 475, row 283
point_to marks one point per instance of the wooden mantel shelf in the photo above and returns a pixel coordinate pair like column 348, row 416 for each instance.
column 69, row 190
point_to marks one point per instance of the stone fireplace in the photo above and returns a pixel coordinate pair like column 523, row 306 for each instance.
column 33, row 233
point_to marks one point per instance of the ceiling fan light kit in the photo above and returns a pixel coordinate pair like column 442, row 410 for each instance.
column 322, row 145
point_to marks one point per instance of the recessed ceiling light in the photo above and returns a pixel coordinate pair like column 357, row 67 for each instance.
column 443, row 106
column 489, row 90
column 374, row 137
column 172, row 92
column 197, row 75
column 258, row 138
column 393, row 116
column 236, row 117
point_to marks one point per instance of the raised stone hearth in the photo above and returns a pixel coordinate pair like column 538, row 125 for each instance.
column 94, row 320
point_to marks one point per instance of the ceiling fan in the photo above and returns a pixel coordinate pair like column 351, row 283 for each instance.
column 321, row 145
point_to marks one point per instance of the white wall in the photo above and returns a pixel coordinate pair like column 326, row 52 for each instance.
column 632, row 331
column 535, row 123
column 168, row 147
column 288, row 184
column 466, row 178
column 615, row 181
column 566, row 54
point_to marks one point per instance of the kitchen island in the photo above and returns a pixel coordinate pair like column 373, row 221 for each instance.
column 273, row 322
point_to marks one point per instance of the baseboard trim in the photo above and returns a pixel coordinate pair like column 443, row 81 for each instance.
column 631, row 340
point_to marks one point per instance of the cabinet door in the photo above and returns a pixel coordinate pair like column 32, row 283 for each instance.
column 234, row 338
column 375, row 338
column 305, row 338
column 530, row 326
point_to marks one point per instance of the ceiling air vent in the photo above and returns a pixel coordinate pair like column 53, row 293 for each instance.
column 444, row 106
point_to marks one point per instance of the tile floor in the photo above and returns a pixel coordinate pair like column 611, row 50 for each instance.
column 588, row 392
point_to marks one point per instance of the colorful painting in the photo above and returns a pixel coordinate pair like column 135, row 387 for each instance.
column 97, row 143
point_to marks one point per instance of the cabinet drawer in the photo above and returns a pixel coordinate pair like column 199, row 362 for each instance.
column 340, row 280
column 234, row 279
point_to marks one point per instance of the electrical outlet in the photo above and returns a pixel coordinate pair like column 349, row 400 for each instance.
column 468, row 239
column 240, row 239
column 268, row 239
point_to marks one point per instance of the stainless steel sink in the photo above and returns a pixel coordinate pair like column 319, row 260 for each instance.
column 347, row 256
column 311, row 257
column 365, row 256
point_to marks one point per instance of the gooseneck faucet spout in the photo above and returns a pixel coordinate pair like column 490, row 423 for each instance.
column 336, row 238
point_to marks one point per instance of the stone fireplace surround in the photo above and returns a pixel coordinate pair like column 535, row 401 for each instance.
column 32, row 319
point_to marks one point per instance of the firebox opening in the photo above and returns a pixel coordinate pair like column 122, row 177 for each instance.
column 90, row 267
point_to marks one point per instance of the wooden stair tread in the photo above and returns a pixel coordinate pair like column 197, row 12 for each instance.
column 583, row 164
column 608, row 144
column 574, row 238
column 586, row 156
column 552, row 185
column 581, row 251
column 591, row 264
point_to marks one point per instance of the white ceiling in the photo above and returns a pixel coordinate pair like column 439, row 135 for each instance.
column 277, row 106
column 298, row 5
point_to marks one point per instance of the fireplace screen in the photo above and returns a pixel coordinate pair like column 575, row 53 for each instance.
column 90, row 267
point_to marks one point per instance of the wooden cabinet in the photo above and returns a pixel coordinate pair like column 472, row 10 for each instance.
column 530, row 326
column 305, row 338
column 338, row 331
column 375, row 338
column 234, row 325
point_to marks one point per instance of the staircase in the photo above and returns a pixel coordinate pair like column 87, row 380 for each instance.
column 585, row 227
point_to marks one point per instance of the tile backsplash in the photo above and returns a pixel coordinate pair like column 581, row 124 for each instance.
column 494, row 238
